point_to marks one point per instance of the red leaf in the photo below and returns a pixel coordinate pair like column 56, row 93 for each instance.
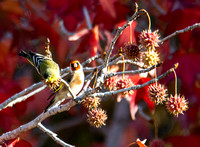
column 139, row 94
column 55, row 5
column 188, row 39
column 105, row 19
column 89, row 42
column 125, row 36
column 12, row 7
column 12, row 144
column 8, row 116
column 143, row 93
column 43, row 28
column 71, row 22
column 184, row 141
column 11, row 89
column 62, row 51
column 94, row 42
column 22, row 143
column 187, row 69
column 19, row 143
column 71, row 11
column 8, row 59
column 108, row 6
column 133, row 106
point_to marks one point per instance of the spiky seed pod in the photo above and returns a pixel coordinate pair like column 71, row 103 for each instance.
column 97, row 117
column 149, row 39
column 110, row 82
column 118, row 82
column 91, row 102
column 53, row 85
column 157, row 93
column 176, row 104
column 150, row 58
column 122, row 83
column 131, row 51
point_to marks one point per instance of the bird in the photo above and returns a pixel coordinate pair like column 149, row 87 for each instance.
column 75, row 79
column 45, row 66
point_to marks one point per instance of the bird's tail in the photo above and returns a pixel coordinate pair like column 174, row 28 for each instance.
column 52, row 102
column 23, row 54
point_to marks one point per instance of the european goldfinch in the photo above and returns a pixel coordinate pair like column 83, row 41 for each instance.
column 75, row 79
column 45, row 66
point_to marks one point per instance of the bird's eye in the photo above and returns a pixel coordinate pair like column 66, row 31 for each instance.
column 45, row 76
column 75, row 65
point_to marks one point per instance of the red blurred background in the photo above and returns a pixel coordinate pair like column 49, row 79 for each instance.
column 26, row 25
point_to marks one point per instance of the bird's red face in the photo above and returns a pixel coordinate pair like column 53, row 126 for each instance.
column 75, row 65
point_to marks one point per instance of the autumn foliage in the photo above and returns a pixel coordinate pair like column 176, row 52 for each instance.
column 80, row 29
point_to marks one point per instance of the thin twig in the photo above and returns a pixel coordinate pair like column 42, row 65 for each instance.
column 131, row 62
column 189, row 28
column 64, row 70
column 133, row 71
column 69, row 89
column 118, row 33
column 67, row 69
column 156, row 5
column 53, row 135
column 23, row 98
column 63, row 29
column 91, row 59
column 87, row 17
column 87, row 82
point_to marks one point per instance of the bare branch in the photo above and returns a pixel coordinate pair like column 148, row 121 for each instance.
column 118, row 33
column 91, row 59
column 133, row 71
column 131, row 62
column 19, row 96
column 110, row 93
column 90, row 92
column 22, row 96
column 87, row 82
column 53, row 135
column 189, row 28
column 32, row 124
column 116, row 61
column 87, row 90
column 69, row 89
